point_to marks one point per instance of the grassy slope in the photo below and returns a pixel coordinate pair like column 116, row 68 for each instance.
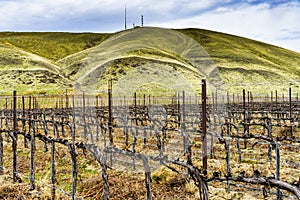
column 26, row 72
column 242, row 63
column 27, row 60
column 52, row 45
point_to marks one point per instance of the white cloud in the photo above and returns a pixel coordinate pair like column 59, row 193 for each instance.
column 260, row 22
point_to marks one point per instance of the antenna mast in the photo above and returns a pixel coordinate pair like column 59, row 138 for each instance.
column 142, row 20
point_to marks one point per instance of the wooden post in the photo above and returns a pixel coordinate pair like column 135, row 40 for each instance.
column 277, row 170
column 148, row 185
column 204, row 128
column 67, row 99
column 245, row 118
column 24, row 121
column 228, row 100
column 74, row 158
column 15, row 137
column 228, row 156
column 1, row 154
column 32, row 149
column 213, row 101
column 178, row 110
column 97, row 102
column 29, row 102
column 110, row 119
column 183, row 127
column 53, row 170
column 217, row 100
column 291, row 111
column 290, row 101
column 271, row 96
column 84, row 116
column 74, row 170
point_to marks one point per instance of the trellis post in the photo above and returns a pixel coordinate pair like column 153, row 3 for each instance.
column 15, row 136
column 204, row 128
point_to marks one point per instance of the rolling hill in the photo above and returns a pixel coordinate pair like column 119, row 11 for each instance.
column 28, row 73
column 146, row 60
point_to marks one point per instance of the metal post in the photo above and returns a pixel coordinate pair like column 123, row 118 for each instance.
column 204, row 128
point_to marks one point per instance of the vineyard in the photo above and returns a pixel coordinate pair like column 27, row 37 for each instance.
column 228, row 145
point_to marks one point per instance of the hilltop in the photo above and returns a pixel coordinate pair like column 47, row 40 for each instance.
column 52, row 62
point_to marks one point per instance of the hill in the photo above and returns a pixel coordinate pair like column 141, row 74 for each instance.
column 90, row 60
column 28, row 59
column 248, row 63
column 28, row 73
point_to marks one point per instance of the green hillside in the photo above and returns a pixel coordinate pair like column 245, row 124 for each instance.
column 28, row 73
column 46, row 62
column 52, row 45
column 249, row 63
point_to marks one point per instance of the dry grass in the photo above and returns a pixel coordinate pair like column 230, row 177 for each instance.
column 128, row 185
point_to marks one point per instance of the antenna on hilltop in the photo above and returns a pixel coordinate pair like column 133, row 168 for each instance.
column 125, row 16
column 142, row 20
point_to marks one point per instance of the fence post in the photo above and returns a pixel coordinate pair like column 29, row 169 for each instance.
column 53, row 170
column 204, row 128
column 23, row 120
column 239, row 150
column 271, row 96
column 245, row 118
column 67, row 99
column 15, row 137
column 228, row 156
column 74, row 158
column 84, row 115
column 110, row 116
column 32, row 149
column 183, row 125
column 134, row 134
column 291, row 110
column 1, row 154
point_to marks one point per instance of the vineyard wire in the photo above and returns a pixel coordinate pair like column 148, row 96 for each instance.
column 233, row 112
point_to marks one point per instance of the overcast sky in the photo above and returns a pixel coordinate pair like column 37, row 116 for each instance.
column 272, row 21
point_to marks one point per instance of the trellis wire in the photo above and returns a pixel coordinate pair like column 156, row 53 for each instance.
column 138, row 135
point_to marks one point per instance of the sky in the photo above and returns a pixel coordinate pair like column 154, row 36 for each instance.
column 272, row 21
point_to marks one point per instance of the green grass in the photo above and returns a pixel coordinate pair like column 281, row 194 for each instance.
column 52, row 45
column 250, row 64
column 236, row 63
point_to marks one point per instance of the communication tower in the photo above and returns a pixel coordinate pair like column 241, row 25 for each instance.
column 142, row 20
